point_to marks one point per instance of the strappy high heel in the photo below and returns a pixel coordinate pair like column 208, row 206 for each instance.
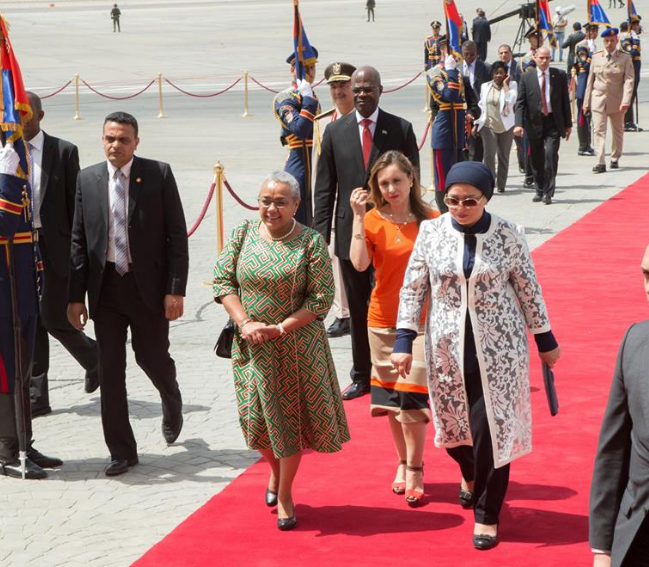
column 399, row 487
column 415, row 496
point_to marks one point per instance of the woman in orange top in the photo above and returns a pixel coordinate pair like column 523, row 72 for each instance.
column 385, row 237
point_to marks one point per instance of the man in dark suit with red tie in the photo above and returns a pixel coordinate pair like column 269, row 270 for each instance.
column 129, row 254
column 543, row 113
column 55, row 166
column 349, row 148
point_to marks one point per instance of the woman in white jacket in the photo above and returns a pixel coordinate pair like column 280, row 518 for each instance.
column 496, row 123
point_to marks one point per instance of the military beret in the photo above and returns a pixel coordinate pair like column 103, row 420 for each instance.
column 473, row 173
column 291, row 57
column 610, row 32
column 339, row 72
column 435, row 24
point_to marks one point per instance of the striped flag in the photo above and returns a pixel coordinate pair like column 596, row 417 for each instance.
column 304, row 54
column 453, row 28
column 630, row 8
column 596, row 14
column 14, row 99
column 545, row 22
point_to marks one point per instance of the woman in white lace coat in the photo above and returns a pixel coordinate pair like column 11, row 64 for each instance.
column 477, row 271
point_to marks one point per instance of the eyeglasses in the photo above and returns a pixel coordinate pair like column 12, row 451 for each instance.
column 467, row 203
column 266, row 203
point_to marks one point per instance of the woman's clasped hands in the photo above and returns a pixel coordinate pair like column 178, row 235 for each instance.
column 257, row 333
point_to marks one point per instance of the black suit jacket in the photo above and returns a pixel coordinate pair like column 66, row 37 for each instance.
column 513, row 71
column 619, row 493
column 481, row 30
column 341, row 169
column 528, row 103
column 59, row 170
column 571, row 43
column 157, row 233
column 482, row 74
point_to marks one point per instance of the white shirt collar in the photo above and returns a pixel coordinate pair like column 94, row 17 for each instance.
column 126, row 169
column 38, row 141
column 373, row 117
column 539, row 73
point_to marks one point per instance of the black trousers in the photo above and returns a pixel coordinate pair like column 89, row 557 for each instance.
column 119, row 308
column 53, row 320
column 628, row 117
column 477, row 462
column 544, row 153
column 638, row 554
column 482, row 50
column 358, row 286
column 583, row 126
column 476, row 149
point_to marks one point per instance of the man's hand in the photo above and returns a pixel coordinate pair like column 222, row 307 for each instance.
column 624, row 107
column 9, row 159
column 305, row 88
column 450, row 63
column 518, row 131
column 173, row 307
column 77, row 315
column 602, row 560
column 568, row 132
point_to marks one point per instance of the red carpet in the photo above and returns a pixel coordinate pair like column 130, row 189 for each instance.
column 347, row 514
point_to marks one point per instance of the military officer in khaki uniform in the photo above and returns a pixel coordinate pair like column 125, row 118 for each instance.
column 608, row 96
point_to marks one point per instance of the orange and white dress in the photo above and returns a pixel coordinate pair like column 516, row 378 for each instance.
column 390, row 245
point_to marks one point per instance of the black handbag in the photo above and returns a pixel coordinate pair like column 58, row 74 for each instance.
column 223, row 346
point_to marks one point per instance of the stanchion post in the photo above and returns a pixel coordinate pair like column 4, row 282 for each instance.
column 427, row 99
column 218, row 195
column 245, row 96
column 161, row 114
column 77, row 115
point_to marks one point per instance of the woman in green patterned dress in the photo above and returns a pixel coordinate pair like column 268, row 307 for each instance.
column 274, row 279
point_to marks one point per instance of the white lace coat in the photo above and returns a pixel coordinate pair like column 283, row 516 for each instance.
column 503, row 298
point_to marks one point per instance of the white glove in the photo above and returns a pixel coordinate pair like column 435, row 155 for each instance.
column 305, row 88
column 591, row 45
column 9, row 160
column 450, row 63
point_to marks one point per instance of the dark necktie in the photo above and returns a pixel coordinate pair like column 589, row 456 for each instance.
column 544, row 100
column 608, row 56
column 367, row 140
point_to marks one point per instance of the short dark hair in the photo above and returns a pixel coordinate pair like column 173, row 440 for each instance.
column 576, row 26
column 470, row 44
column 122, row 118
column 498, row 65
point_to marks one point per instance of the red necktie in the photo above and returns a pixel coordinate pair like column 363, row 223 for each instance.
column 544, row 100
column 367, row 140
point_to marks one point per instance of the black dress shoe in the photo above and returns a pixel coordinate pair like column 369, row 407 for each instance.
column 484, row 542
column 271, row 498
column 466, row 498
column 32, row 470
column 355, row 390
column 599, row 168
column 39, row 411
column 286, row 524
column 43, row 461
column 91, row 383
column 339, row 328
column 120, row 466
column 171, row 432
column 537, row 198
column 630, row 127
column 586, row 152
column 615, row 165
column 547, row 200
column 528, row 183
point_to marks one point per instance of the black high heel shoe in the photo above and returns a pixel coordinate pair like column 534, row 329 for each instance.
column 286, row 524
column 484, row 542
column 466, row 498
column 270, row 498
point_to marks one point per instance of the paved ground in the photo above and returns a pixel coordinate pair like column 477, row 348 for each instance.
column 77, row 516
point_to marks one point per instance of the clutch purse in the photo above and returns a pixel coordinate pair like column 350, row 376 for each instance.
column 550, row 390
column 223, row 346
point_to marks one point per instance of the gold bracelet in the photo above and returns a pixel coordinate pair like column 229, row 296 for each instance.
column 244, row 323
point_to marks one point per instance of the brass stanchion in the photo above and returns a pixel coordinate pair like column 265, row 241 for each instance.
column 218, row 195
column 161, row 114
column 245, row 96
column 77, row 115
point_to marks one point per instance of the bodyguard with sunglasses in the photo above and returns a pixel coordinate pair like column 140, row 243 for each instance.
column 476, row 271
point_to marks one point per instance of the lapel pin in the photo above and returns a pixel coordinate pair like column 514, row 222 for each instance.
column 138, row 180
column 384, row 131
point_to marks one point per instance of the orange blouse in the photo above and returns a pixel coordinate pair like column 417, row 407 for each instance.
column 390, row 245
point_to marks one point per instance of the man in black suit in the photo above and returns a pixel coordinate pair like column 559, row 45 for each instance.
column 481, row 34
column 55, row 165
column 477, row 72
column 619, row 492
column 571, row 43
column 350, row 146
column 543, row 113
column 129, row 254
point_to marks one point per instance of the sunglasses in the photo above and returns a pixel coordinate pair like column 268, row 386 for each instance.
column 467, row 203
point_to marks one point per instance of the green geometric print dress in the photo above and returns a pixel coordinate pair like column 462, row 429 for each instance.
column 287, row 391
